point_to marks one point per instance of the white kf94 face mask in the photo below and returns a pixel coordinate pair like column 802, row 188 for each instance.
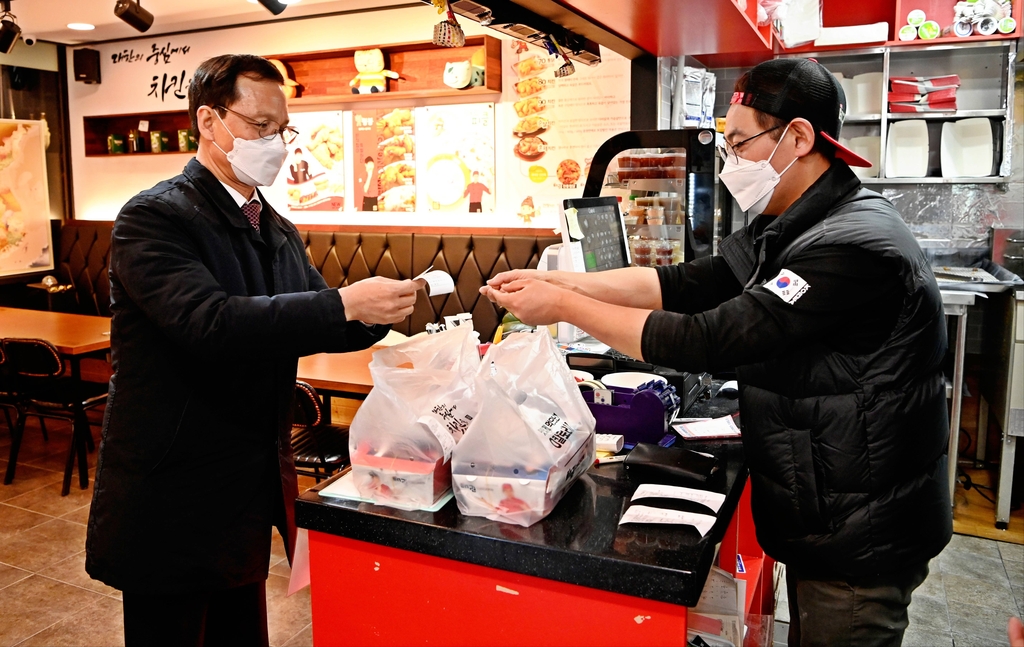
column 256, row 162
column 752, row 183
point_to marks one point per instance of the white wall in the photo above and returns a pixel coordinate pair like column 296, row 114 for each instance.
column 101, row 185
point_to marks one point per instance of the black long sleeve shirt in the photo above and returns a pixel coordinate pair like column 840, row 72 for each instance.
column 709, row 322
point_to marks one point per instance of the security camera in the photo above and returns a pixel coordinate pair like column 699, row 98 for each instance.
column 30, row 39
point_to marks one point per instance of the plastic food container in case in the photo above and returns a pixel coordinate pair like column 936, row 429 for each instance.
column 652, row 173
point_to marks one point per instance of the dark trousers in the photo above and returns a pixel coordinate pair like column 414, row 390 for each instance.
column 235, row 616
column 851, row 614
column 476, row 207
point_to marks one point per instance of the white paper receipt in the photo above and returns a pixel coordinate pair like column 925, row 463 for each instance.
column 646, row 514
column 572, row 219
column 712, row 500
column 438, row 282
column 724, row 427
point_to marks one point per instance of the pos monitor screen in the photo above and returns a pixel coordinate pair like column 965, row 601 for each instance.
column 594, row 233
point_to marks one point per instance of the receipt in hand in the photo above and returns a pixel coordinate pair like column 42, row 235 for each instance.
column 438, row 282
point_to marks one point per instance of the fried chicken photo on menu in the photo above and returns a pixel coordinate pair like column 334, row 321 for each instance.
column 530, row 86
column 327, row 144
column 531, row 125
column 530, row 66
column 568, row 172
column 397, row 174
column 396, row 148
column 396, row 122
column 530, row 106
column 530, row 147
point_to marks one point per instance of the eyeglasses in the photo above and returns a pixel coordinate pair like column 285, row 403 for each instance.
column 267, row 129
column 728, row 151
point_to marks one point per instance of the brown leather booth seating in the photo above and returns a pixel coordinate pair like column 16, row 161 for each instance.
column 471, row 259
column 82, row 262
column 343, row 258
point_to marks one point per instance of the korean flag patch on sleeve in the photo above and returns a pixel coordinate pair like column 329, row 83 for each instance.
column 787, row 286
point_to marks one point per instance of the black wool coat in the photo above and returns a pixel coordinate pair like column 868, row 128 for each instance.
column 209, row 320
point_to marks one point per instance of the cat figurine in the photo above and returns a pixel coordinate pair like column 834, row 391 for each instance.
column 462, row 74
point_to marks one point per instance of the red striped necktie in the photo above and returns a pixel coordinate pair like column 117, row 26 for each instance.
column 251, row 210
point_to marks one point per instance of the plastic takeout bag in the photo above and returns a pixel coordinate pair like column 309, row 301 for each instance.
column 424, row 397
column 533, row 437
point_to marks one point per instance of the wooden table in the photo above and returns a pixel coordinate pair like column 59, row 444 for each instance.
column 74, row 337
column 341, row 374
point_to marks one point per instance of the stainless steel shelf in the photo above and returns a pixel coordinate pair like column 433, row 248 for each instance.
column 663, row 185
column 936, row 180
column 861, row 119
column 959, row 114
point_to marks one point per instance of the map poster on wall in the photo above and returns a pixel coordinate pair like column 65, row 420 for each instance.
column 25, row 244
column 456, row 153
column 558, row 123
column 384, row 160
column 313, row 177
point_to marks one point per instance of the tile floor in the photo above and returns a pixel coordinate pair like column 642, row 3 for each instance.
column 46, row 597
column 973, row 588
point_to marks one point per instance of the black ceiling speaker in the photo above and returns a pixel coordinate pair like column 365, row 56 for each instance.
column 9, row 29
column 132, row 13
column 87, row 65
column 273, row 6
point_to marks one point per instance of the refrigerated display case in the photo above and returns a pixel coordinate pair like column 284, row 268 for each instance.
column 672, row 210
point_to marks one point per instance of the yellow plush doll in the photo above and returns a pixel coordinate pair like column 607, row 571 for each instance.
column 372, row 76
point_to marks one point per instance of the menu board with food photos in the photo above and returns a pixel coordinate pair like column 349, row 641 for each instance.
column 313, row 177
column 557, row 123
column 456, row 157
column 384, row 159
column 25, row 244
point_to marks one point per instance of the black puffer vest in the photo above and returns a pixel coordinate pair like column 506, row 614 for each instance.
column 847, row 453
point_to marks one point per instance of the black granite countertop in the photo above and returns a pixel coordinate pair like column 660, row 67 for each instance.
column 578, row 543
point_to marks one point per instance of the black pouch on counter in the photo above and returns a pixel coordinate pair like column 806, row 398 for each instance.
column 668, row 465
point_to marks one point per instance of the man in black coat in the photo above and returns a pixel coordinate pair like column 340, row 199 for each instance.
column 213, row 302
column 828, row 310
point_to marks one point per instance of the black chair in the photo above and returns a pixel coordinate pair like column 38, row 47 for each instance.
column 45, row 390
column 320, row 448
column 8, row 396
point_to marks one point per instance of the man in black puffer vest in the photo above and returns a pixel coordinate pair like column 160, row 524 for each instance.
column 830, row 312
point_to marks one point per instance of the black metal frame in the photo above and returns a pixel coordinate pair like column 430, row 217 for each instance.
column 312, row 431
column 700, row 161
column 46, row 373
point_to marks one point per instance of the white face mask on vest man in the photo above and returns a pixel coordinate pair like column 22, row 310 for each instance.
column 256, row 162
column 751, row 183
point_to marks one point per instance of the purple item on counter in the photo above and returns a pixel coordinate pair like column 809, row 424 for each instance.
column 638, row 416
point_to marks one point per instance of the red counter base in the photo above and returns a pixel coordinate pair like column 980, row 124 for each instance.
column 366, row 594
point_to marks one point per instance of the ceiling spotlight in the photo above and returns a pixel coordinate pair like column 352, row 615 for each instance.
column 9, row 29
column 132, row 13
column 273, row 6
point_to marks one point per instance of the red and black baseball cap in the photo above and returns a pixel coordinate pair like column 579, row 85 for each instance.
column 789, row 88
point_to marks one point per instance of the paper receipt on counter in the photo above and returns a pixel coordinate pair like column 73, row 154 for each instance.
column 647, row 514
column 724, row 427
column 712, row 500
column 438, row 281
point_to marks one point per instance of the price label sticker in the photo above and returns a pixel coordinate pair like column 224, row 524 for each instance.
column 144, row 126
